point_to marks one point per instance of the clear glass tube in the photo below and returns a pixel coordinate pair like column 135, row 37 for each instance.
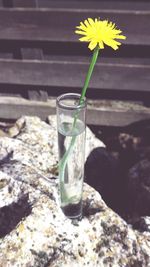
column 71, row 146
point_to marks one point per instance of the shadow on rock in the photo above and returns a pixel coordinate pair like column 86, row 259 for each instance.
column 139, row 188
column 102, row 171
column 12, row 214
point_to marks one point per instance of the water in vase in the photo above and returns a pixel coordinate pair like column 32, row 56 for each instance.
column 71, row 168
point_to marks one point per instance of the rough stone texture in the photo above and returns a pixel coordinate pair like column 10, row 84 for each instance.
column 33, row 230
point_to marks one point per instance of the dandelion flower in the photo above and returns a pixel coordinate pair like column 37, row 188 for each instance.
column 99, row 32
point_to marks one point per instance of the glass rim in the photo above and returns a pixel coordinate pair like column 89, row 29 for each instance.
column 70, row 96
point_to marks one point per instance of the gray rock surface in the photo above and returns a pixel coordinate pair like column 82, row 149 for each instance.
column 33, row 230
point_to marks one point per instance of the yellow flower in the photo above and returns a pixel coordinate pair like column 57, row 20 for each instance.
column 99, row 32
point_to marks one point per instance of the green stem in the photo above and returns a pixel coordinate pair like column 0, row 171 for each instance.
column 63, row 161
column 89, row 73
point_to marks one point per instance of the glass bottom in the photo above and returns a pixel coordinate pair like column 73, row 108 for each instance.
column 73, row 211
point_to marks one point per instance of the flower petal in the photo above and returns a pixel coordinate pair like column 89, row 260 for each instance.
column 112, row 43
column 121, row 37
column 84, row 39
column 80, row 32
column 101, row 45
column 91, row 21
column 86, row 23
column 92, row 45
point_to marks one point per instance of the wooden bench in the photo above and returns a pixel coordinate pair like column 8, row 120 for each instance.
column 41, row 57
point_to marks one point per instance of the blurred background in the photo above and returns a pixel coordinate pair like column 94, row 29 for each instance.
column 41, row 57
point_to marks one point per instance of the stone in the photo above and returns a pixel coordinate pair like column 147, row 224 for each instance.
column 2, row 133
column 142, row 224
column 139, row 188
column 33, row 230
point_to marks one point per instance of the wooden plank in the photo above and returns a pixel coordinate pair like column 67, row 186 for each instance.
column 41, row 24
column 15, row 107
column 116, row 113
column 34, row 53
column 102, row 59
column 71, row 75
column 38, row 95
column 104, row 4
column 7, row 3
column 31, row 53
column 24, row 3
column 6, row 55
column 83, row 4
column 106, row 113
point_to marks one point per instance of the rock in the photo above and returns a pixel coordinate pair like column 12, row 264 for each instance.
column 129, row 150
column 128, row 141
column 2, row 133
column 142, row 224
column 101, row 172
column 139, row 188
column 34, row 230
column 39, row 136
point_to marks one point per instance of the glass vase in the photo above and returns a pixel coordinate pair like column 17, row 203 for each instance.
column 71, row 146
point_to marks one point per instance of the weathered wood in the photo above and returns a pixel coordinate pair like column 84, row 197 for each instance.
column 13, row 108
column 135, row 5
column 39, row 95
column 26, row 3
column 71, row 75
column 34, row 54
column 7, row 3
column 41, row 24
column 116, row 113
column 6, row 55
column 128, row 5
column 41, row 56
column 108, row 113
column 31, row 53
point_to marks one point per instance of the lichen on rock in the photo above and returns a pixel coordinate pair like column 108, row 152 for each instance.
column 34, row 230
